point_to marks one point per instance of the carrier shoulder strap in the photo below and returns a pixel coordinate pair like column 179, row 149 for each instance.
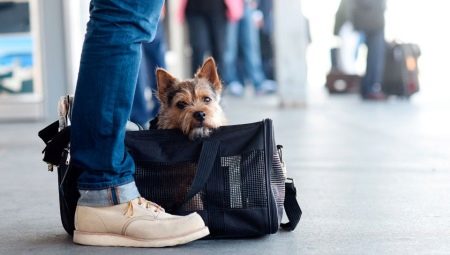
column 291, row 206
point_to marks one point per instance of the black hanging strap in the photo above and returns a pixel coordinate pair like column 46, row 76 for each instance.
column 56, row 143
column 291, row 206
column 49, row 132
column 205, row 165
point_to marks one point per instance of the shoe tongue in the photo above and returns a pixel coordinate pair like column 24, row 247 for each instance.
column 149, row 205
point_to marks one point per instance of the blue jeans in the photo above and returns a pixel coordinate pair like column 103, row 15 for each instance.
column 376, row 50
column 105, row 89
column 243, row 38
column 152, row 57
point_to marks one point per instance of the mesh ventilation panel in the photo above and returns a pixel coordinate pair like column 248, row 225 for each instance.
column 170, row 184
column 245, row 181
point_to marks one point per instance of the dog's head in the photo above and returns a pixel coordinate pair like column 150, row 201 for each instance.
column 191, row 105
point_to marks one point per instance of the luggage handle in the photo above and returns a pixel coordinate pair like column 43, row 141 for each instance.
column 205, row 165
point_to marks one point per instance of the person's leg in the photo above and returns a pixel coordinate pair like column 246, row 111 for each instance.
column 230, row 69
column 267, row 55
column 230, row 54
column 251, row 49
column 367, row 80
column 371, row 83
column 155, row 55
column 139, row 110
column 198, row 38
column 217, row 27
column 266, row 41
column 105, row 89
column 379, row 48
column 109, row 212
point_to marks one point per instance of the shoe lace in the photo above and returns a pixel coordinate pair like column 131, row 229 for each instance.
column 143, row 202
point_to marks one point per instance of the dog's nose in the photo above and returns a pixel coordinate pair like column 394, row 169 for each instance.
column 200, row 116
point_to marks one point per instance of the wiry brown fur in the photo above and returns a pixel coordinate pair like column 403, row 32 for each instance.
column 198, row 95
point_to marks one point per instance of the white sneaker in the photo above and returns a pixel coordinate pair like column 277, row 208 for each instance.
column 267, row 87
column 138, row 223
column 235, row 89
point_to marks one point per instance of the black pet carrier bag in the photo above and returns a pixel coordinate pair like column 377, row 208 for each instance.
column 234, row 179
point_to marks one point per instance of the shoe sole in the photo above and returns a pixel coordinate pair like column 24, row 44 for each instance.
column 99, row 239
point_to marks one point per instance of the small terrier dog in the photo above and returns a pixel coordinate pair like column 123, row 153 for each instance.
column 191, row 105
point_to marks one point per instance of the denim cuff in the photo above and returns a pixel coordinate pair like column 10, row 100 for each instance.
column 110, row 196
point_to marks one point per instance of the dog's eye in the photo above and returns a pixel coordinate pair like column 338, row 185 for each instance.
column 181, row 105
column 207, row 99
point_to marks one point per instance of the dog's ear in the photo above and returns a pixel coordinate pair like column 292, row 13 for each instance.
column 164, row 82
column 209, row 71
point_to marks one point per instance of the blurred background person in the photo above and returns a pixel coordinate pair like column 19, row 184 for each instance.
column 367, row 16
column 344, row 58
column 207, row 22
column 242, row 57
column 266, row 37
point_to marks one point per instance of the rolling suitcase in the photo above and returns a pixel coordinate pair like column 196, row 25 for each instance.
column 401, row 69
column 340, row 83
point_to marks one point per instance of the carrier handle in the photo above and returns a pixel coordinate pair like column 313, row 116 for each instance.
column 205, row 165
